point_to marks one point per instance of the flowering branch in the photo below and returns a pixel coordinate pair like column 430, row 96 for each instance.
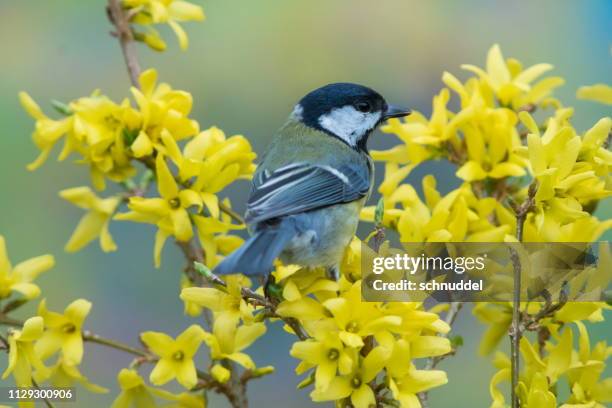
column 255, row 299
column 432, row 362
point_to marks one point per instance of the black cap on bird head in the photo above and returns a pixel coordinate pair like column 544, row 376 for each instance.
column 347, row 111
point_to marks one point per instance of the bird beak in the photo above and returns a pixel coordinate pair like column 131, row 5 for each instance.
column 395, row 112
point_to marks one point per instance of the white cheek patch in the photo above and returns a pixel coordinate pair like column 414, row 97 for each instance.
column 349, row 124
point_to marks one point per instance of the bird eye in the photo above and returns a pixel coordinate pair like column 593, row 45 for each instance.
column 363, row 107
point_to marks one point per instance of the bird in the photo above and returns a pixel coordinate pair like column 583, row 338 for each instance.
column 311, row 183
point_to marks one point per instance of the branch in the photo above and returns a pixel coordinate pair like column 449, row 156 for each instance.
column 192, row 251
column 121, row 20
column 515, row 328
column 432, row 362
column 94, row 338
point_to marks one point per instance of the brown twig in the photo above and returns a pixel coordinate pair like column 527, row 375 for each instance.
column 120, row 18
column 432, row 362
column 516, row 326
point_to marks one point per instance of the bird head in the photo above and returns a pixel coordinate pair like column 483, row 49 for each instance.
column 349, row 112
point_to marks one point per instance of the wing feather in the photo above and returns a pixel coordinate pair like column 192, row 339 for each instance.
column 301, row 187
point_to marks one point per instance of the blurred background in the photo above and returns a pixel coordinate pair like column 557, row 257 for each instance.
column 247, row 64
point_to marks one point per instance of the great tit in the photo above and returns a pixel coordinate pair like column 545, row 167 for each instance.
column 312, row 182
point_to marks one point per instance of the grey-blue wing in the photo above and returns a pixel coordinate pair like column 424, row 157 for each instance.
column 302, row 187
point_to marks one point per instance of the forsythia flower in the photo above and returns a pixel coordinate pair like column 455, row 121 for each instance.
column 135, row 393
column 19, row 278
column 94, row 224
column 168, row 212
column 228, row 342
column 22, row 357
column 355, row 384
column 109, row 135
column 176, row 356
column 164, row 12
column 327, row 352
column 162, row 109
column 64, row 375
column 510, row 83
column 229, row 306
column 63, row 331
column 568, row 176
column 458, row 216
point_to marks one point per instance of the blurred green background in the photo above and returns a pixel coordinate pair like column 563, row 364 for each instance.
column 248, row 63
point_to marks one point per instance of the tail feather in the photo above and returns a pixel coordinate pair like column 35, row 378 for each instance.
column 256, row 256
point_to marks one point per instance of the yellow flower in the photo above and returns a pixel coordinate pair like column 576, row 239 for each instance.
column 135, row 393
column 22, row 357
column 63, row 331
column 587, row 366
column 168, row 212
column 228, row 342
column 327, row 352
column 47, row 132
column 19, row 278
column 537, row 395
column 356, row 383
column 492, row 142
column 65, row 375
column 99, row 135
column 511, row 84
column 228, row 305
column 357, row 319
column 162, row 109
column 498, row 316
column 405, row 389
column 214, row 160
column 93, row 224
column 223, row 160
column 567, row 179
column 601, row 93
column 176, row 356
column 94, row 127
column 457, row 216
column 166, row 11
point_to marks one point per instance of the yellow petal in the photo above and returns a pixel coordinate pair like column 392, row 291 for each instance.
column 159, row 343
column 180, row 34
column 82, row 197
column 28, row 270
column 506, row 169
column 165, row 180
column 147, row 80
column 77, row 311
column 185, row 11
column 599, row 93
column 363, row 397
column 160, row 240
column 471, row 171
column 162, row 372
column 30, row 106
column 496, row 67
column 247, row 334
column 183, row 230
column 89, row 228
column 142, row 145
